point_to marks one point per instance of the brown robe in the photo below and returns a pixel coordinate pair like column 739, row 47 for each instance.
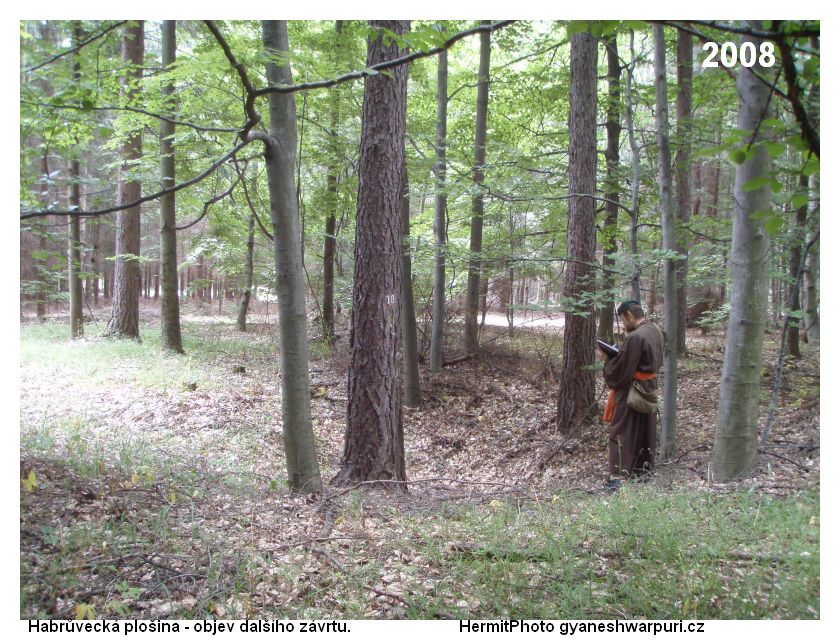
column 632, row 445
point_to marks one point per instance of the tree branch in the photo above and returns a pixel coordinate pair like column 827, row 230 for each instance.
column 388, row 64
column 133, row 110
column 251, row 206
column 253, row 117
column 76, row 48
column 210, row 202
column 101, row 212
column 794, row 92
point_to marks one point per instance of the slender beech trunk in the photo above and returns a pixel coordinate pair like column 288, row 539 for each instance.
column 477, row 221
column 125, row 310
column 41, row 269
column 242, row 317
column 682, row 168
column 95, row 260
column 605, row 322
column 577, row 383
column 734, row 449
column 411, row 365
column 170, row 313
column 812, row 271
column 668, row 433
column 439, row 290
column 812, row 260
column 301, row 460
column 635, row 281
column 328, row 303
column 373, row 445
column 797, row 242
column 74, row 239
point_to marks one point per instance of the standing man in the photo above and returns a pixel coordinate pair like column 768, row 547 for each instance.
column 632, row 445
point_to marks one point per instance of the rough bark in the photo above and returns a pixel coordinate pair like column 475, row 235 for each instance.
column 668, row 433
column 439, row 288
column 245, row 299
column 477, row 220
column 411, row 364
column 682, row 170
column 125, row 310
column 170, row 313
column 734, row 449
column 373, row 446
column 606, row 313
column 577, row 382
column 301, row 460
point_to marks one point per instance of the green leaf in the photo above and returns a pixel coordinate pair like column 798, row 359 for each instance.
column 755, row 183
column 737, row 156
column 799, row 200
column 811, row 166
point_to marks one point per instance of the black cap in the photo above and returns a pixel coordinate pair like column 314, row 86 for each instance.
column 625, row 305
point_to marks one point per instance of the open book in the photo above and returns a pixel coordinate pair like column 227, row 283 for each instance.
column 610, row 349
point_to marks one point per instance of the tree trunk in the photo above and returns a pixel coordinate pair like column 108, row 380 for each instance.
column 411, row 365
column 812, row 272
column 328, row 303
column 41, row 270
column 170, row 313
column 668, row 433
column 439, row 290
column 577, row 383
column 242, row 317
column 301, row 459
column 74, row 239
column 798, row 240
column 95, row 260
column 373, row 446
column 635, row 284
column 125, row 311
column 605, row 323
column 734, row 450
column 477, row 221
column 685, row 62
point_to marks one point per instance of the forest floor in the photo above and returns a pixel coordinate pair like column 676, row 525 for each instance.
column 153, row 486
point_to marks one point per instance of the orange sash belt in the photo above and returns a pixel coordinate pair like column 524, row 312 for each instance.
column 611, row 401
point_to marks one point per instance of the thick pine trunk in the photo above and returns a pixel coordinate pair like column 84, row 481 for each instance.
column 373, row 446
column 477, row 220
column 245, row 299
column 605, row 322
column 438, row 291
column 668, row 433
column 301, row 460
column 682, row 176
column 577, row 383
column 125, row 311
column 735, row 443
